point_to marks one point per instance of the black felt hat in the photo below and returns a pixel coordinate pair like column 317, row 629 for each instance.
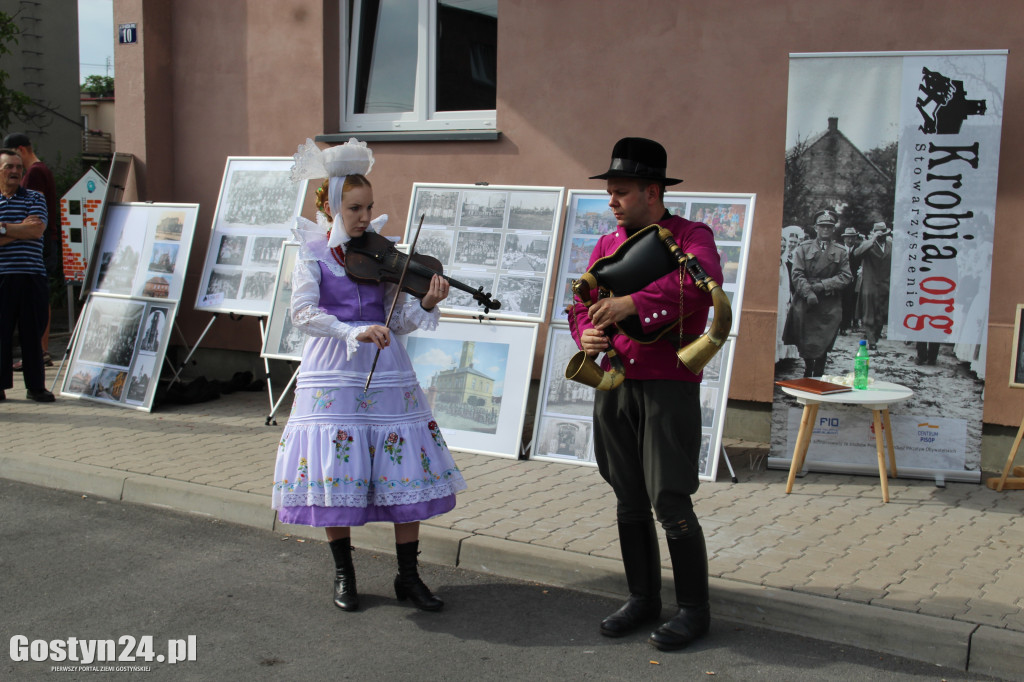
column 638, row 157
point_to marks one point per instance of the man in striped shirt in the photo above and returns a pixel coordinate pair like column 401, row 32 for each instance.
column 24, row 294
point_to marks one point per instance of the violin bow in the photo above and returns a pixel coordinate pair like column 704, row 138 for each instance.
column 394, row 301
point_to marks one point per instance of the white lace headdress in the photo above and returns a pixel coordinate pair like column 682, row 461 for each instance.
column 335, row 163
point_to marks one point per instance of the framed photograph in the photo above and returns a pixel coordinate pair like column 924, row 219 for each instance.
column 120, row 350
column 476, row 376
column 588, row 217
column 492, row 237
column 144, row 250
column 282, row 340
column 1017, row 356
column 563, row 426
column 255, row 212
column 714, row 397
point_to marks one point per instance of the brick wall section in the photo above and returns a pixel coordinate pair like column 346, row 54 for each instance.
column 75, row 261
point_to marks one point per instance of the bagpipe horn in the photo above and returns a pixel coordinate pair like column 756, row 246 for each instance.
column 586, row 371
column 697, row 354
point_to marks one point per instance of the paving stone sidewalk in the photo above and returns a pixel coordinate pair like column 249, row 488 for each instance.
column 949, row 556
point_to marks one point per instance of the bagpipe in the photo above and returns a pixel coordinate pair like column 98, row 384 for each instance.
column 646, row 256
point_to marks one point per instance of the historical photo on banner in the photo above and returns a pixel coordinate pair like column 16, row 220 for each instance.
column 496, row 240
column 888, row 216
column 256, row 210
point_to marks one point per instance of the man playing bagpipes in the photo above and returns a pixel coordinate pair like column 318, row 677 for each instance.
column 647, row 426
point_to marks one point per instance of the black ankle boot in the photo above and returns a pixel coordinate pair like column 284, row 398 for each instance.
column 345, row 595
column 690, row 571
column 639, row 545
column 408, row 584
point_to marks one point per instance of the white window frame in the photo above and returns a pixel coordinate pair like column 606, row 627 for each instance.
column 424, row 116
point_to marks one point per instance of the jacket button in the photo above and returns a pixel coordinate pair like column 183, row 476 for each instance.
column 647, row 319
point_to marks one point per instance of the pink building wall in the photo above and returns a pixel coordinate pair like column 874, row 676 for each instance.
column 707, row 79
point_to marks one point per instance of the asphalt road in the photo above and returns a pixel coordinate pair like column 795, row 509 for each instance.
column 259, row 607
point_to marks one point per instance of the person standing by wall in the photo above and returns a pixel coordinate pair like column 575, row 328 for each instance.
column 351, row 456
column 647, row 431
column 39, row 177
column 23, row 290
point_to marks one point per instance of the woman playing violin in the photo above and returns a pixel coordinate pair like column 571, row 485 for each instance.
column 349, row 456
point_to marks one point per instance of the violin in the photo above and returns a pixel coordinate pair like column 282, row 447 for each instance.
column 372, row 257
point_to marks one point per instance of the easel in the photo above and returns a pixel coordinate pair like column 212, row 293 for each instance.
column 274, row 406
column 195, row 347
column 280, row 399
column 67, row 352
column 1016, row 482
column 732, row 472
column 266, row 363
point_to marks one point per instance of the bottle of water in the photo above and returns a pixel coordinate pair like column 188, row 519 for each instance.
column 860, row 366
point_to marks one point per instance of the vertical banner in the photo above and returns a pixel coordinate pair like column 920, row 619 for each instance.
column 902, row 151
column 950, row 123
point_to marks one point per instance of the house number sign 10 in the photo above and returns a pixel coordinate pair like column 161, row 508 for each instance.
column 127, row 34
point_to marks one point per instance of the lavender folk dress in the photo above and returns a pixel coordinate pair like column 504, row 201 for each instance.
column 348, row 457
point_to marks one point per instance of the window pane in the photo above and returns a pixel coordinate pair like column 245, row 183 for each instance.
column 386, row 62
column 467, row 55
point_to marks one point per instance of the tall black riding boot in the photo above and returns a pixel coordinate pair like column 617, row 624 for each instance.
column 408, row 584
column 640, row 558
column 690, row 571
column 819, row 365
column 345, row 595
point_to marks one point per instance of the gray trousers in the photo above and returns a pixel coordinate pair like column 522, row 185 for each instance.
column 647, row 445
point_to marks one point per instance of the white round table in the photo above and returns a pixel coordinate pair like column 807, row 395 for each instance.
column 877, row 397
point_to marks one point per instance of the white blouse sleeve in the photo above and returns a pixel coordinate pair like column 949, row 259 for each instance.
column 309, row 317
column 409, row 314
